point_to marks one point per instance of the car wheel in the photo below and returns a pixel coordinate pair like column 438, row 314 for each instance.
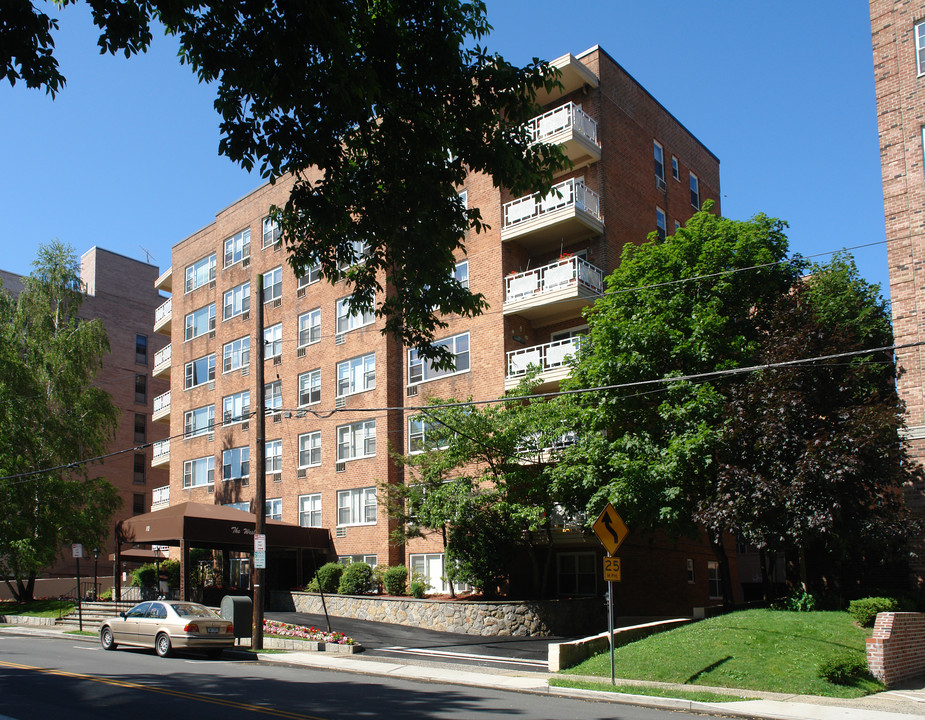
column 214, row 653
column 107, row 640
column 162, row 645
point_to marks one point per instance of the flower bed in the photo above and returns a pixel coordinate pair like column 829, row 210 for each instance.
column 298, row 632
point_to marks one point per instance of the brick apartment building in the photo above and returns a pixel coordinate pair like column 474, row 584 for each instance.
column 898, row 34
column 333, row 380
column 119, row 291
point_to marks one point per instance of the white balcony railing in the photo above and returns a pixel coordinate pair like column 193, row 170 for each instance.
column 160, row 495
column 162, row 403
column 162, row 357
column 163, row 311
column 550, row 356
column 161, row 450
column 564, row 273
column 565, row 117
column 571, row 193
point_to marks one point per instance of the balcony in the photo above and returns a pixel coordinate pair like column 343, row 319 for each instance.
column 162, row 408
column 162, row 363
column 161, row 453
column 162, row 317
column 573, row 75
column 553, row 292
column 160, row 498
column 165, row 281
column 551, row 358
column 569, row 212
column 573, row 129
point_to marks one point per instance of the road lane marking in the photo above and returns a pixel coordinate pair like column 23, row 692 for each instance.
column 464, row 656
column 165, row 691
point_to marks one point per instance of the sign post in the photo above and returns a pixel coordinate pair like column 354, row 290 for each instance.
column 77, row 550
column 611, row 531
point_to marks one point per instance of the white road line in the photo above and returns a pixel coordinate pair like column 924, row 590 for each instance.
column 464, row 656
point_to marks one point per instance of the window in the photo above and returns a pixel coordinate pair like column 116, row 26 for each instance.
column 238, row 247
column 141, row 388
column 347, row 321
column 273, row 509
column 690, row 570
column 659, row 161
column 356, row 375
column 576, row 573
column 272, row 233
column 695, row 191
column 920, row 47
column 310, row 510
column 273, row 284
column 675, row 170
column 461, row 273
column 141, row 349
column 200, row 321
column 199, row 421
column 310, row 449
column 237, row 301
column 310, row 327
column 236, row 408
column 420, row 370
column 716, row 584
column 198, row 472
column 200, row 273
column 356, row 507
column 661, row 223
column 236, row 354
column 199, row 371
column 464, row 198
column 139, row 469
column 418, row 429
column 236, row 463
column 357, row 440
column 138, row 503
column 350, row 559
column 273, row 396
column 359, row 250
column 141, row 428
column 311, row 276
column 677, row 226
column 310, row 388
column 246, row 507
column 429, row 567
column 273, row 454
column 273, row 341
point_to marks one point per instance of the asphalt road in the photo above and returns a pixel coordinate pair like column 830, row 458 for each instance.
column 43, row 678
column 386, row 640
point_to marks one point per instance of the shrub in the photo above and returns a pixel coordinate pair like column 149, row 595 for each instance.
column 328, row 576
column 418, row 589
column 357, row 579
column 106, row 595
column 144, row 576
column 865, row 610
column 843, row 669
column 797, row 601
column 395, row 579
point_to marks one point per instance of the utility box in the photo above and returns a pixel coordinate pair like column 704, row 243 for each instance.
column 240, row 610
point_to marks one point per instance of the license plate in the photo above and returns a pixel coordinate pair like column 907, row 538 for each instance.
column 212, row 629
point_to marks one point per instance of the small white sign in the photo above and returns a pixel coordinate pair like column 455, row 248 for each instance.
column 260, row 559
column 260, row 543
column 77, row 550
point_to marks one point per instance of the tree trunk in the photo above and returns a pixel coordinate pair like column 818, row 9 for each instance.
column 450, row 577
column 765, row 576
column 719, row 550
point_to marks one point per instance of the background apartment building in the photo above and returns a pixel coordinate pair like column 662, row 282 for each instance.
column 341, row 394
column 119, row 291
column 898, row 34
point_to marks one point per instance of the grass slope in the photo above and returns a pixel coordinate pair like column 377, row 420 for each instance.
column 37, row 608
column 767, row 650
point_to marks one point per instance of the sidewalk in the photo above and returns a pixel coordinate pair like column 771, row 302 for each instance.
column 899, row 704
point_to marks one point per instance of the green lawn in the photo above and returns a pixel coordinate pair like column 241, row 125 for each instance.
column 37, row 608
column 693, row 695
column 768, row 650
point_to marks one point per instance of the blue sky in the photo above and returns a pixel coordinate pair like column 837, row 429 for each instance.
column 126, row 157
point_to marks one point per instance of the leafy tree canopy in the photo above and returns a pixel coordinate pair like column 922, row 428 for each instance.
column 379, row 109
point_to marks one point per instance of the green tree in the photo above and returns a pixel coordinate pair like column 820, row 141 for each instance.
column 379, row 109
column 672, row 308
column 51, row 414
column 480, row 481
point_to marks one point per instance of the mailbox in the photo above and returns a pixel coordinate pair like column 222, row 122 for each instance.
column 240, row 610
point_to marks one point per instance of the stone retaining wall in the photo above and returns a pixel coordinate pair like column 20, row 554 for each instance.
column 896, row 651
column 25, row 620
column 569, row 654
column 504, row 617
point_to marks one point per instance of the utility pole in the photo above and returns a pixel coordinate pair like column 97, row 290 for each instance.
column 259, row 465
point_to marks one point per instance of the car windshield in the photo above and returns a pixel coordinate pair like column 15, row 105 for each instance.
column 193, row 610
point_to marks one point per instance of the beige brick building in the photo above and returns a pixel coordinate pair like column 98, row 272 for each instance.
column 120, row 292
column 339, row 392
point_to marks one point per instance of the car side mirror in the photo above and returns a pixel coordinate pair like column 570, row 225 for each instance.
column 122, row 615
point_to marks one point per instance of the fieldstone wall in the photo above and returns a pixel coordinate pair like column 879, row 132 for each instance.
column 503, row 617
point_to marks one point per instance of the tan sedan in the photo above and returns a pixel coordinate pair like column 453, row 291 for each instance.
column 168, row 624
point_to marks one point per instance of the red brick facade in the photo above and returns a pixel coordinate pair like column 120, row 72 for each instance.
column 900, row 89
column 629, row 122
